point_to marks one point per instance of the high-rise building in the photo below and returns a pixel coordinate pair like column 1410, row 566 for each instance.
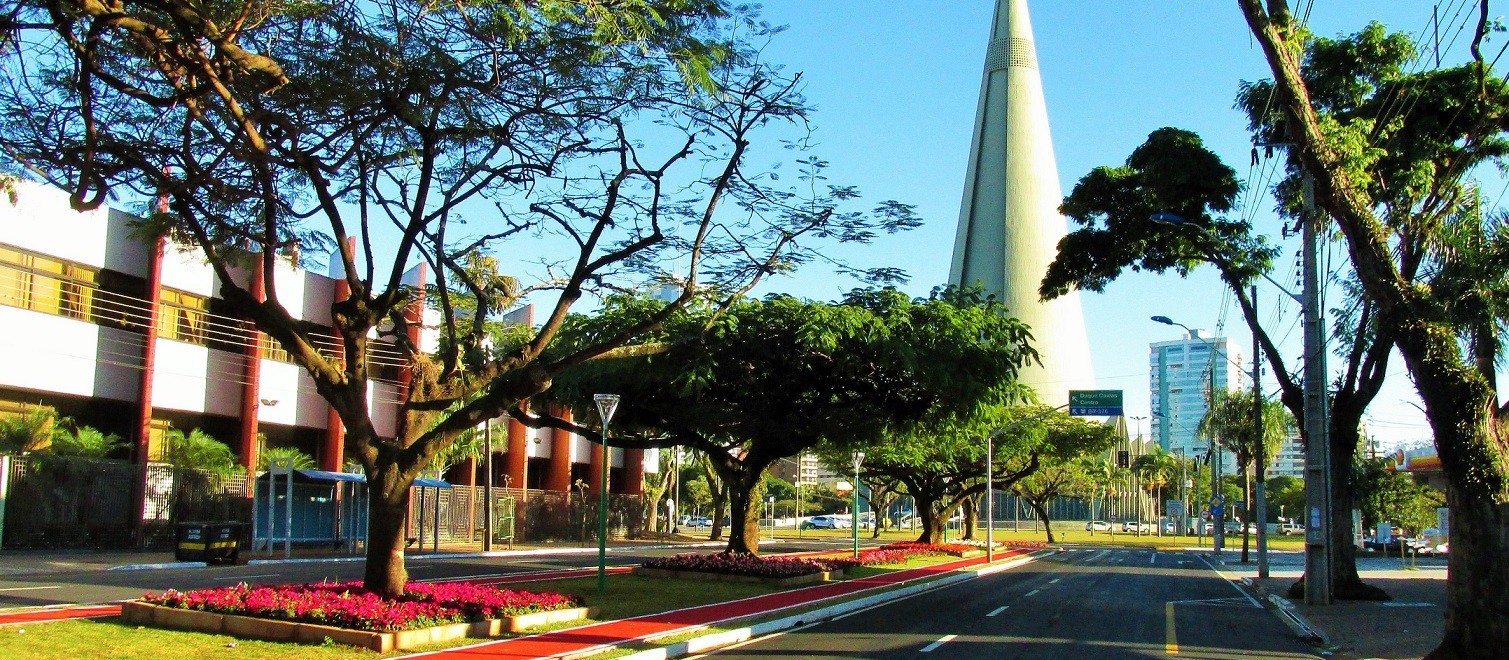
column 1009, row 224
column 1290, row 459
column 1180, row 374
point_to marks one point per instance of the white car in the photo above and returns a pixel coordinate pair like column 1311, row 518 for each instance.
column 1097, row 526
column 1136, row 527
column 1291, row 529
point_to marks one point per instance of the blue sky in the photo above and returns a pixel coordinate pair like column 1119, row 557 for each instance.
column 896, row 84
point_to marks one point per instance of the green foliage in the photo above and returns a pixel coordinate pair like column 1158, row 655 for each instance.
column 301, row 460
column 1286, row 498
column 197, row 450
column 87, row 442
column 30, row 430
column 1231, row 423
column 1172, row 172
column 1388, row 496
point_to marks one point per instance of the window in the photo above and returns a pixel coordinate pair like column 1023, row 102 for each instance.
column 46, row 284
column 183, row 316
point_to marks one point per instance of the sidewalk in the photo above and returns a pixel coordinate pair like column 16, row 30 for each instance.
column 1408, row 626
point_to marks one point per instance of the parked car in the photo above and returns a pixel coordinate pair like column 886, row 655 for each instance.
column 698, row 521
column 1170, row 527
column 826, row 522
column 1135, row 527
column 1097, row 526
column 1291, row 529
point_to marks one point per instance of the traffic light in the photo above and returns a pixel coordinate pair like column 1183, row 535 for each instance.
column 1123, row 458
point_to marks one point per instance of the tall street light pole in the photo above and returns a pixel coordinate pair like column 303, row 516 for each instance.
column 1260, row 492
column 606, row 405
column 859, row 457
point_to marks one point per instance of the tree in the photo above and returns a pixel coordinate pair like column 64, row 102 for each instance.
column 1389, row 496
column 943, row 467
column 757, row 381
column 1156, row 470
column 1442, row 304
column 1286, row 497
column 1231, row 424
column 1173, row 172
column 1054, row 478
column 604, row 136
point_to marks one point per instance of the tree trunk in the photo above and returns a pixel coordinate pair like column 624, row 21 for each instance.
column 971, row 518
column 386, row 508
column 932, row 523
column 720, row 508
column 1042, row 514
column 744, row 502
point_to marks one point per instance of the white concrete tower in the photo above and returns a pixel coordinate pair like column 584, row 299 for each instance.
column 1009, row 224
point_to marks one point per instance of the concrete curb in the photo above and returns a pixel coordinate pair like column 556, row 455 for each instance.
column 1291, row 617
column 453, row 555
column 719, row 640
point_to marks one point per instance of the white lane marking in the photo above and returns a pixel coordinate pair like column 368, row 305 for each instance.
column 1154, row 559
column 1229, row 581
column 941, row 641
column 1030, row 593
column 1054, row 581
column 31, row 588
column 997, row 610
column 247, row 577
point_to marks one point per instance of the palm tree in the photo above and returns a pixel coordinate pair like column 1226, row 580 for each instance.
column 1156, row 470
column 1231, row 423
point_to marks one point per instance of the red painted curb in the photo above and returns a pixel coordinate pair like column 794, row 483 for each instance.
column 44, row 616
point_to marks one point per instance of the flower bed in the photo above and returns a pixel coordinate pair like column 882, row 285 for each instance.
column 346, row 614
column 782, row 568
column 347, row 605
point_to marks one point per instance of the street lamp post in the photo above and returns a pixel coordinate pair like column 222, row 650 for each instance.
column 487, row 486
column 606, row 405
column 990, row 499
column 771, row 501
column 859, row 457
column 1218, row 511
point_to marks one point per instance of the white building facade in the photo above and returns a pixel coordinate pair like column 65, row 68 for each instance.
column 1180, row 374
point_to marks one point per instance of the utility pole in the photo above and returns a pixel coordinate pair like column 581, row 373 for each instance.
column 1317, row 444
column 1259, row 494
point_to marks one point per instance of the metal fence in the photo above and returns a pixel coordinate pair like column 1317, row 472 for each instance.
column 538, row 515
column 55, row 502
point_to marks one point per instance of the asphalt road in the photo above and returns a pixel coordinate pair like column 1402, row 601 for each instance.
column 105, row 586
column 1079, row 605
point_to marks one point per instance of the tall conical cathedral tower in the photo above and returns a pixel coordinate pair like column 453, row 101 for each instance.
column 1009, row 224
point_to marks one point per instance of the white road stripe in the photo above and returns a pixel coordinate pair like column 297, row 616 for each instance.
column 997, row 610
column 31, row 588
column 1030, row 593
column 247, row 577
column 1153, row 559
column 1054, row 581
column 941, row 641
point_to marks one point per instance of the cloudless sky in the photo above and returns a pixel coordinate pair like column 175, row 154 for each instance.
column 896, row 84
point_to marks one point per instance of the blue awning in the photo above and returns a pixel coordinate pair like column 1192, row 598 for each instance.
column 322, row 475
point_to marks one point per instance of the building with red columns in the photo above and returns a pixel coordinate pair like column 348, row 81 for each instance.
column 130, row 338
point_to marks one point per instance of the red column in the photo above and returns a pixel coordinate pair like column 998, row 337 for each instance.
column 332, row 457
column 595, row 470
column 558, row 474
column 251, row 377
column 148, row 368
column 514, row 460
column 634, row 471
